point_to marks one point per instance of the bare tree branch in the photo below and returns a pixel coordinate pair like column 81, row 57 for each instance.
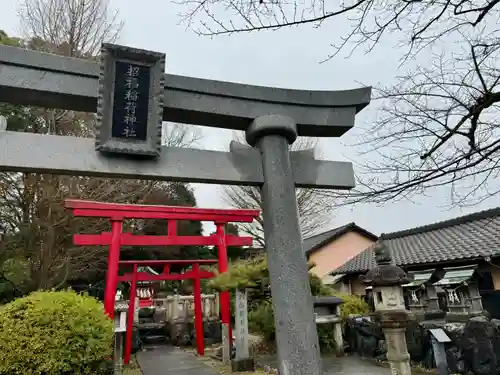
column 418, row 22
column 437, row 126
column 69, row 27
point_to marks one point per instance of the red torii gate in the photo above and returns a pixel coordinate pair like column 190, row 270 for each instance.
column 196, row 274
column 117, row 213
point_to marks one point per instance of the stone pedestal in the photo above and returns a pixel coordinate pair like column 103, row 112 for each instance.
column 397, row 352
column 337, row 334
column 240, row 365
column 432, row 299
column 118, row 353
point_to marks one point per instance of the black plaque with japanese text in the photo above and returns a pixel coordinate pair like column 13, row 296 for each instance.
column 130, row 101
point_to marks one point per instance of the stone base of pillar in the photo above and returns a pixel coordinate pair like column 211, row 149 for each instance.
column 244, row 364
column 397, row 352
column 339, row 340
column 400, row 368
column 118, row 353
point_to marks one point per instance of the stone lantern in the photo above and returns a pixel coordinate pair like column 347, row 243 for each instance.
column 390, row 312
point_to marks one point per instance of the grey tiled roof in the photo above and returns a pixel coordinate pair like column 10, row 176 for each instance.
column 472, row 236
column 317, row 241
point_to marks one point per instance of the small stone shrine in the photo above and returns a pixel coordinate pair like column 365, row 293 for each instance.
column 421, row 295
column 459, row 285
column 416, row 292
column 451, row 291
column 327, row 310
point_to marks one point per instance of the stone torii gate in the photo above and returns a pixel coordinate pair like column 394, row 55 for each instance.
column 127, row 145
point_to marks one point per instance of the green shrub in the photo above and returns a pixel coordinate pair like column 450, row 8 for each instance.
column 326, row 337
column 54, row 333
column 352, row 305
column 253, row 274
column 261, row 318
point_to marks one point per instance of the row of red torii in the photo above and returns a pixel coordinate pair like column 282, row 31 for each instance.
column 117, row 213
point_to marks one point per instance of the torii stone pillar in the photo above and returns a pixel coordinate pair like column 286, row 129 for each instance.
column 390, row 312
column 296, row 335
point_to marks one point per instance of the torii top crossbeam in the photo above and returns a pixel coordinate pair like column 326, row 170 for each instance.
column 51, row 81
column 69, row 83
column 144, row 211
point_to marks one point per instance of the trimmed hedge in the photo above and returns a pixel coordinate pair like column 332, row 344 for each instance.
column 54, row 333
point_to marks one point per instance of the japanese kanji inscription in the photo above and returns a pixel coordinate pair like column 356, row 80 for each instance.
column 130, row 102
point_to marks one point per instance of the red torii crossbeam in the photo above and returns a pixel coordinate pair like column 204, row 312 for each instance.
column 117, row 213
column 196, row 274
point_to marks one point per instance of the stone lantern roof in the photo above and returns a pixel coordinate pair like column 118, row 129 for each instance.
column 385, row 272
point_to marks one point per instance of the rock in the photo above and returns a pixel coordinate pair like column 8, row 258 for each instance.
column 454, row 332
column 240, row 365
column 417, row 341
column 474, row 348
column 478, row 346
column 369, row 346
column 363, row 336
column 455, row 360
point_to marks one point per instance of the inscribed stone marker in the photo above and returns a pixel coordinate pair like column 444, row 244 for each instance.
column 242, row 351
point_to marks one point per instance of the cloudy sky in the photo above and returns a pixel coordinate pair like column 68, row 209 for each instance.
column 287, row 58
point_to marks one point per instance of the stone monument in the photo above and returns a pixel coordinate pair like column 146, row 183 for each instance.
column 327, row 310
column 242, row 360
column 390, row 312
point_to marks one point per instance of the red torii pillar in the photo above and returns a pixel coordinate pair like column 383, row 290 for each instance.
column 224, row 296
column 196, row 274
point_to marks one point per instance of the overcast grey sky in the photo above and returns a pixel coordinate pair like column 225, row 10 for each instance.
column 286, row 58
